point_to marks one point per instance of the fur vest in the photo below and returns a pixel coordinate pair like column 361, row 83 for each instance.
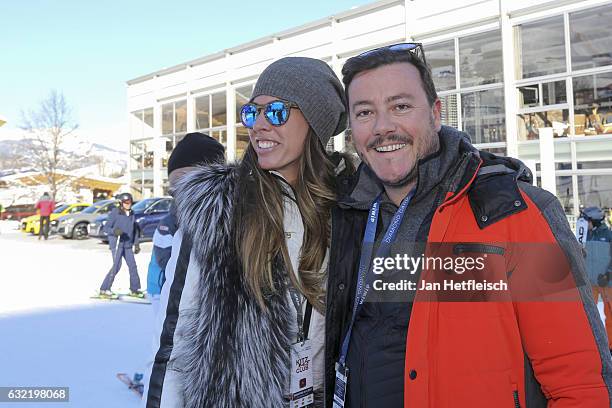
column 232, row 353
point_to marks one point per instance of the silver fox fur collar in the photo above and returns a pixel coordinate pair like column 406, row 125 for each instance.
column 233, row 354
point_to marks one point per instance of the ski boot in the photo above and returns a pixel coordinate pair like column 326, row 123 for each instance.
column 137, row 294
column 106, row 294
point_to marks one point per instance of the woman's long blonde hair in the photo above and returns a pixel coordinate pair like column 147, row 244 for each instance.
column 260, row 233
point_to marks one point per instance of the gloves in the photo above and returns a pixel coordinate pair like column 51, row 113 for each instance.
column 136, row 249
column 117, row 232
column 602, row 280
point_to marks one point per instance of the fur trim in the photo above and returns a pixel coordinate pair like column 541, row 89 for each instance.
column 232, row 354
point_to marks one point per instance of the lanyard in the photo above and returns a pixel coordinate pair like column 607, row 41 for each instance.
column 365, row 280
column 302, row 321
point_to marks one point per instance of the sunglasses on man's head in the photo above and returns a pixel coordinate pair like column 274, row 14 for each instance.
column 275, row 112
column 414, row 48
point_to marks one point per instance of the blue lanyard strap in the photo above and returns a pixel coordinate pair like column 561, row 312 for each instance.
column 365, row 279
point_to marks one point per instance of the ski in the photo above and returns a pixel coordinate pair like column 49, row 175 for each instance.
column 97, row 296
column 133, row 299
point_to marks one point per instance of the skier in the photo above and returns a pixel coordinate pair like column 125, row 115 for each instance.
column 599, row 261
column 123, row 233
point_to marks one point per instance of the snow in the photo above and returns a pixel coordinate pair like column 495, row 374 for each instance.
column 53, row 334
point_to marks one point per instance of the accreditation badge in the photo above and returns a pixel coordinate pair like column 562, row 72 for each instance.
column 302, row 387
column 340, row 386
column 582, row 226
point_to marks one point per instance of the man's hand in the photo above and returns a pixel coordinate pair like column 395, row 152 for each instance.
column 136, row 248
column 117, row 232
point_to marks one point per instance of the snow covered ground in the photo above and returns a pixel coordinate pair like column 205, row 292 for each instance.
column 53, row 334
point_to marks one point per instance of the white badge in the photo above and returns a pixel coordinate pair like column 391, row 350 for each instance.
column 582, row 226
column 340, row 386
column 302, row 391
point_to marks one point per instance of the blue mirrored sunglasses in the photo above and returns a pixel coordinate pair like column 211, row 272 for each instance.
column 415, row 48
column 275, row 112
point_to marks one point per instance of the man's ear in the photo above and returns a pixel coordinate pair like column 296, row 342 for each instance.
column 436, row 111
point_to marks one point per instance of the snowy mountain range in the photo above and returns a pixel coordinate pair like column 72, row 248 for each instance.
column 15, row 155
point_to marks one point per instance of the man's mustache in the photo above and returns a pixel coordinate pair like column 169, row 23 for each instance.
column 380, row 140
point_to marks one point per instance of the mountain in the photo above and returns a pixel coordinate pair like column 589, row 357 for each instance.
column 14, row 154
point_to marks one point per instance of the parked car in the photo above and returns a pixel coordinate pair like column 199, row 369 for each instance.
column 32, row 223
column 148, row 214
column 75, row 225
column 95, row 229
column 18, row 212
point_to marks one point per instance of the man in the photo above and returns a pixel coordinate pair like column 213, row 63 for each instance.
column 45, row 207
column 123, row 240
column 168, row 269
column 599, row 261
column 427, row 184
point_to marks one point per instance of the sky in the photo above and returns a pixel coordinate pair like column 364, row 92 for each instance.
column 88, row 49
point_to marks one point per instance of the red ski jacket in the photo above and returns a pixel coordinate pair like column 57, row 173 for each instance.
column 508, row 352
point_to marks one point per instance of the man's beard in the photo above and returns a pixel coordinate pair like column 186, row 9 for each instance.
column 431, row 146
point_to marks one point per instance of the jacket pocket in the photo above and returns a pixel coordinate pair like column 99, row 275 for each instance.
column 478, row 248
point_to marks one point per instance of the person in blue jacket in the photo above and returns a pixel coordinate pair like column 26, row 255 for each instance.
column 194, row 149
column 599, row 262
column 123, row 234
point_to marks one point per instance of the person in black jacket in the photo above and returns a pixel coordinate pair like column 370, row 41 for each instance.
column 123, row 233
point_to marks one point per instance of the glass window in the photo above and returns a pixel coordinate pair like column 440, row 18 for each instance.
column 180, row 116
column 148, row 117
column 529, row 124
column 483, row 116
column 220, row 135
column 593, row 104
column 92, row 209
column 564, row 193
column 202, row 106
column 553, row 93
column 541, row 47
column 219, row 109
column 595, row 191
column 168, row 147
column 603, row 164
column 60, row 209
column 591, row 37
column 141, row 123
column 243, row 94
column 529, row 96
column 167, row 118
column 441, row 59
column 449, row 111
column 161, row 206
column 481, row 59
column 500, row 151
column 141, row 154
column 242, row 141
column 106, row 208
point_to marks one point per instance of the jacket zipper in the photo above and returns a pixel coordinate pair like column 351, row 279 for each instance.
column 477, row 247
column 517, row 403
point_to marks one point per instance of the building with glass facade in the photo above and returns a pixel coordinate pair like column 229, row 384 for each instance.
column 503, row 70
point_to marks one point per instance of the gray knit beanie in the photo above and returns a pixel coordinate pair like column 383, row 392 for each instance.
column 313, row 86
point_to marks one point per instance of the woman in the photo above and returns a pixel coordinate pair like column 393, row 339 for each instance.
column 260, row 232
